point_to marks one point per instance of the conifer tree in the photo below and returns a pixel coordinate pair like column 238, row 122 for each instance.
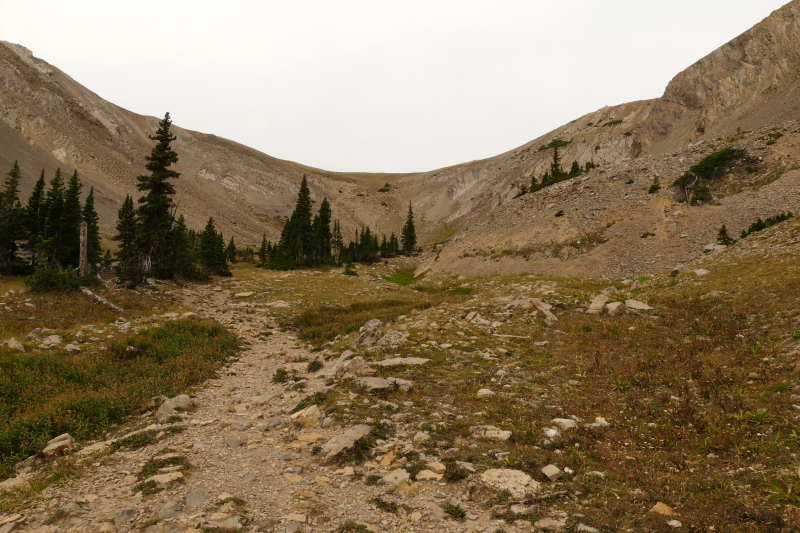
column 322, row 234
column 12, row 226
column 212, row 251
column 54, row 221
column 262, row 251
column 154, row 214
column 394, row 245
column 555, row 167
column 723, row 238
column 69, row 251
column 575, row 170
column 385, row 248
column 337, row 242
column 408, row 237
column 184, row 255
column 230, row 251
column 89, row 215
column 35, row 213
column 126, row 237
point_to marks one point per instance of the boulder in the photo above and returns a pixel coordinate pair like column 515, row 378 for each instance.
column 344, row 441
column 243, row 294
column 565, row 424
column 552, row 472
column 428, row 475
column 406, row 489
column 680, row 269
column 516, row 482
column 544, row 308
column 636, row 305
column 182, row 401
column 486, row 393
column 371, row 384
column 60, row 445
column 393, row 339
column 368, row 337
column 401, row 361
column 14, row 344
column 551, row 524
column 395, row 477
column 597, row 305
column 662, row 509
column 371, row 324
column 614, row 307
column 489, row 433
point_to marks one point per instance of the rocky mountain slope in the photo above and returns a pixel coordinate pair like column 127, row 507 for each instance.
column 49, row 120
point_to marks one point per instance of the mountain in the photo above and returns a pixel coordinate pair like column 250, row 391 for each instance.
column 49, row 120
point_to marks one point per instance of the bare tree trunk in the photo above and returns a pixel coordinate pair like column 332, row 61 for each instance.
column 83, row 264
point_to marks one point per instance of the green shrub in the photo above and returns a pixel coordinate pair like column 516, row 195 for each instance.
column 55, row 280
column 760, row 225
column 716, row 164
column 655, row 187
column 43, row 395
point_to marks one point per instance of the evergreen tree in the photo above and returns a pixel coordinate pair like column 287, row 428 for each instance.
column 54, row 221
column 89, row 215
column 555, row 167
column 212, row 251
column 337, row 243
column 68, row 254
column 385, row 252
column 127, row 259
column 723, row 238
column 154, row 214
column 408, row 237
column 322, row 234
column 12, row 223
column 184, row 255
column 394, row 245
column 230, row 251
column 262, row 251
column 35, row 214
column 575, row 169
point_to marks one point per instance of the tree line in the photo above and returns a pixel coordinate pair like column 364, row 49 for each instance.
column 556, row 172
column 312, row 242
column 153, row 243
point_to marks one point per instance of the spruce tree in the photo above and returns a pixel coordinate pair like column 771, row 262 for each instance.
column 184, row 255
column 337, row 242
column 127, row 259
column 154, row 214
column 262, row 251
column 555, row 167
column 35, row 215
column 230, row 251
column 54, row 219
column 212, row 251
column 322, row 234
column 12, row 223
column 89, row 215
column 408, row 237
column 69, row 251
column 575, row 170
column 723, row 238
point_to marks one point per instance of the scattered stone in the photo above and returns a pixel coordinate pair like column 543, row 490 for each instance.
column 485, row 393
column 421, row 436
column 394, row 339
column 637, row 305
column 614, row 308
column 662, row 509
column 551, row 524
column 680, row 269
column 194, row 499
column 14, row 344
column 344, row 441
column 514, row 481
column 182, row 401
column 164, row 479
column 61, row 445
column 234, row 443
column 674, row 523
column 242, row 295
column 372, row 384
column 489, row 433
column 597, row 305
column 395, row 477
column 599, row 423
column 701, row 272
column 552, row 472
column 72, row 348
column 368, row 337
column 426, row 475
column 436, row 467
column 586, row 529
column 565, row 424
column 371, row 324
column 406, row 489
column 401, row 361
column 170, row 509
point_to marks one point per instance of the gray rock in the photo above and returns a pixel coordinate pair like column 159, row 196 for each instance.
column 27, row 463
column 194, row 499
column 233, row 442
column 394, row 339
column 344, row 441
column 680, row 269
column 586, row 529
column 372, row 324
column 327, row 421
column 170, row 509
column 182, row 401
column 60, row 445
column 369, row 337
column 489, row 433
column 395, row 477
column 124, row 515
column 552, row 472
column 485, row 393
column 637, row 305
column 14, row 344
column 241, row 425
column 597, row 305
column 551, row 524
column 371, row 384
column 565, row 424
column 72, row 348
column 523, row 509
column 293, row 527
column 401, row 361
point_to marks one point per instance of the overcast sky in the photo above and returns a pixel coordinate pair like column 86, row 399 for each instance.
column 375, row 85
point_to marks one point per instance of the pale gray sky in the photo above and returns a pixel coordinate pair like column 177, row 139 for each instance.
column 375, row 85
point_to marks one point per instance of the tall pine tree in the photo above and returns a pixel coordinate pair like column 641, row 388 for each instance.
column 126, row 237
column 12, row 227
column 93, row 251
column 408, row 237
column 262, row 250
column 68, row 253
column 35, row 216
column 54, row 219
column 154, row 214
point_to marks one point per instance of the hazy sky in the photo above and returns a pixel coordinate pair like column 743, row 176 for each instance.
column 375, row 85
